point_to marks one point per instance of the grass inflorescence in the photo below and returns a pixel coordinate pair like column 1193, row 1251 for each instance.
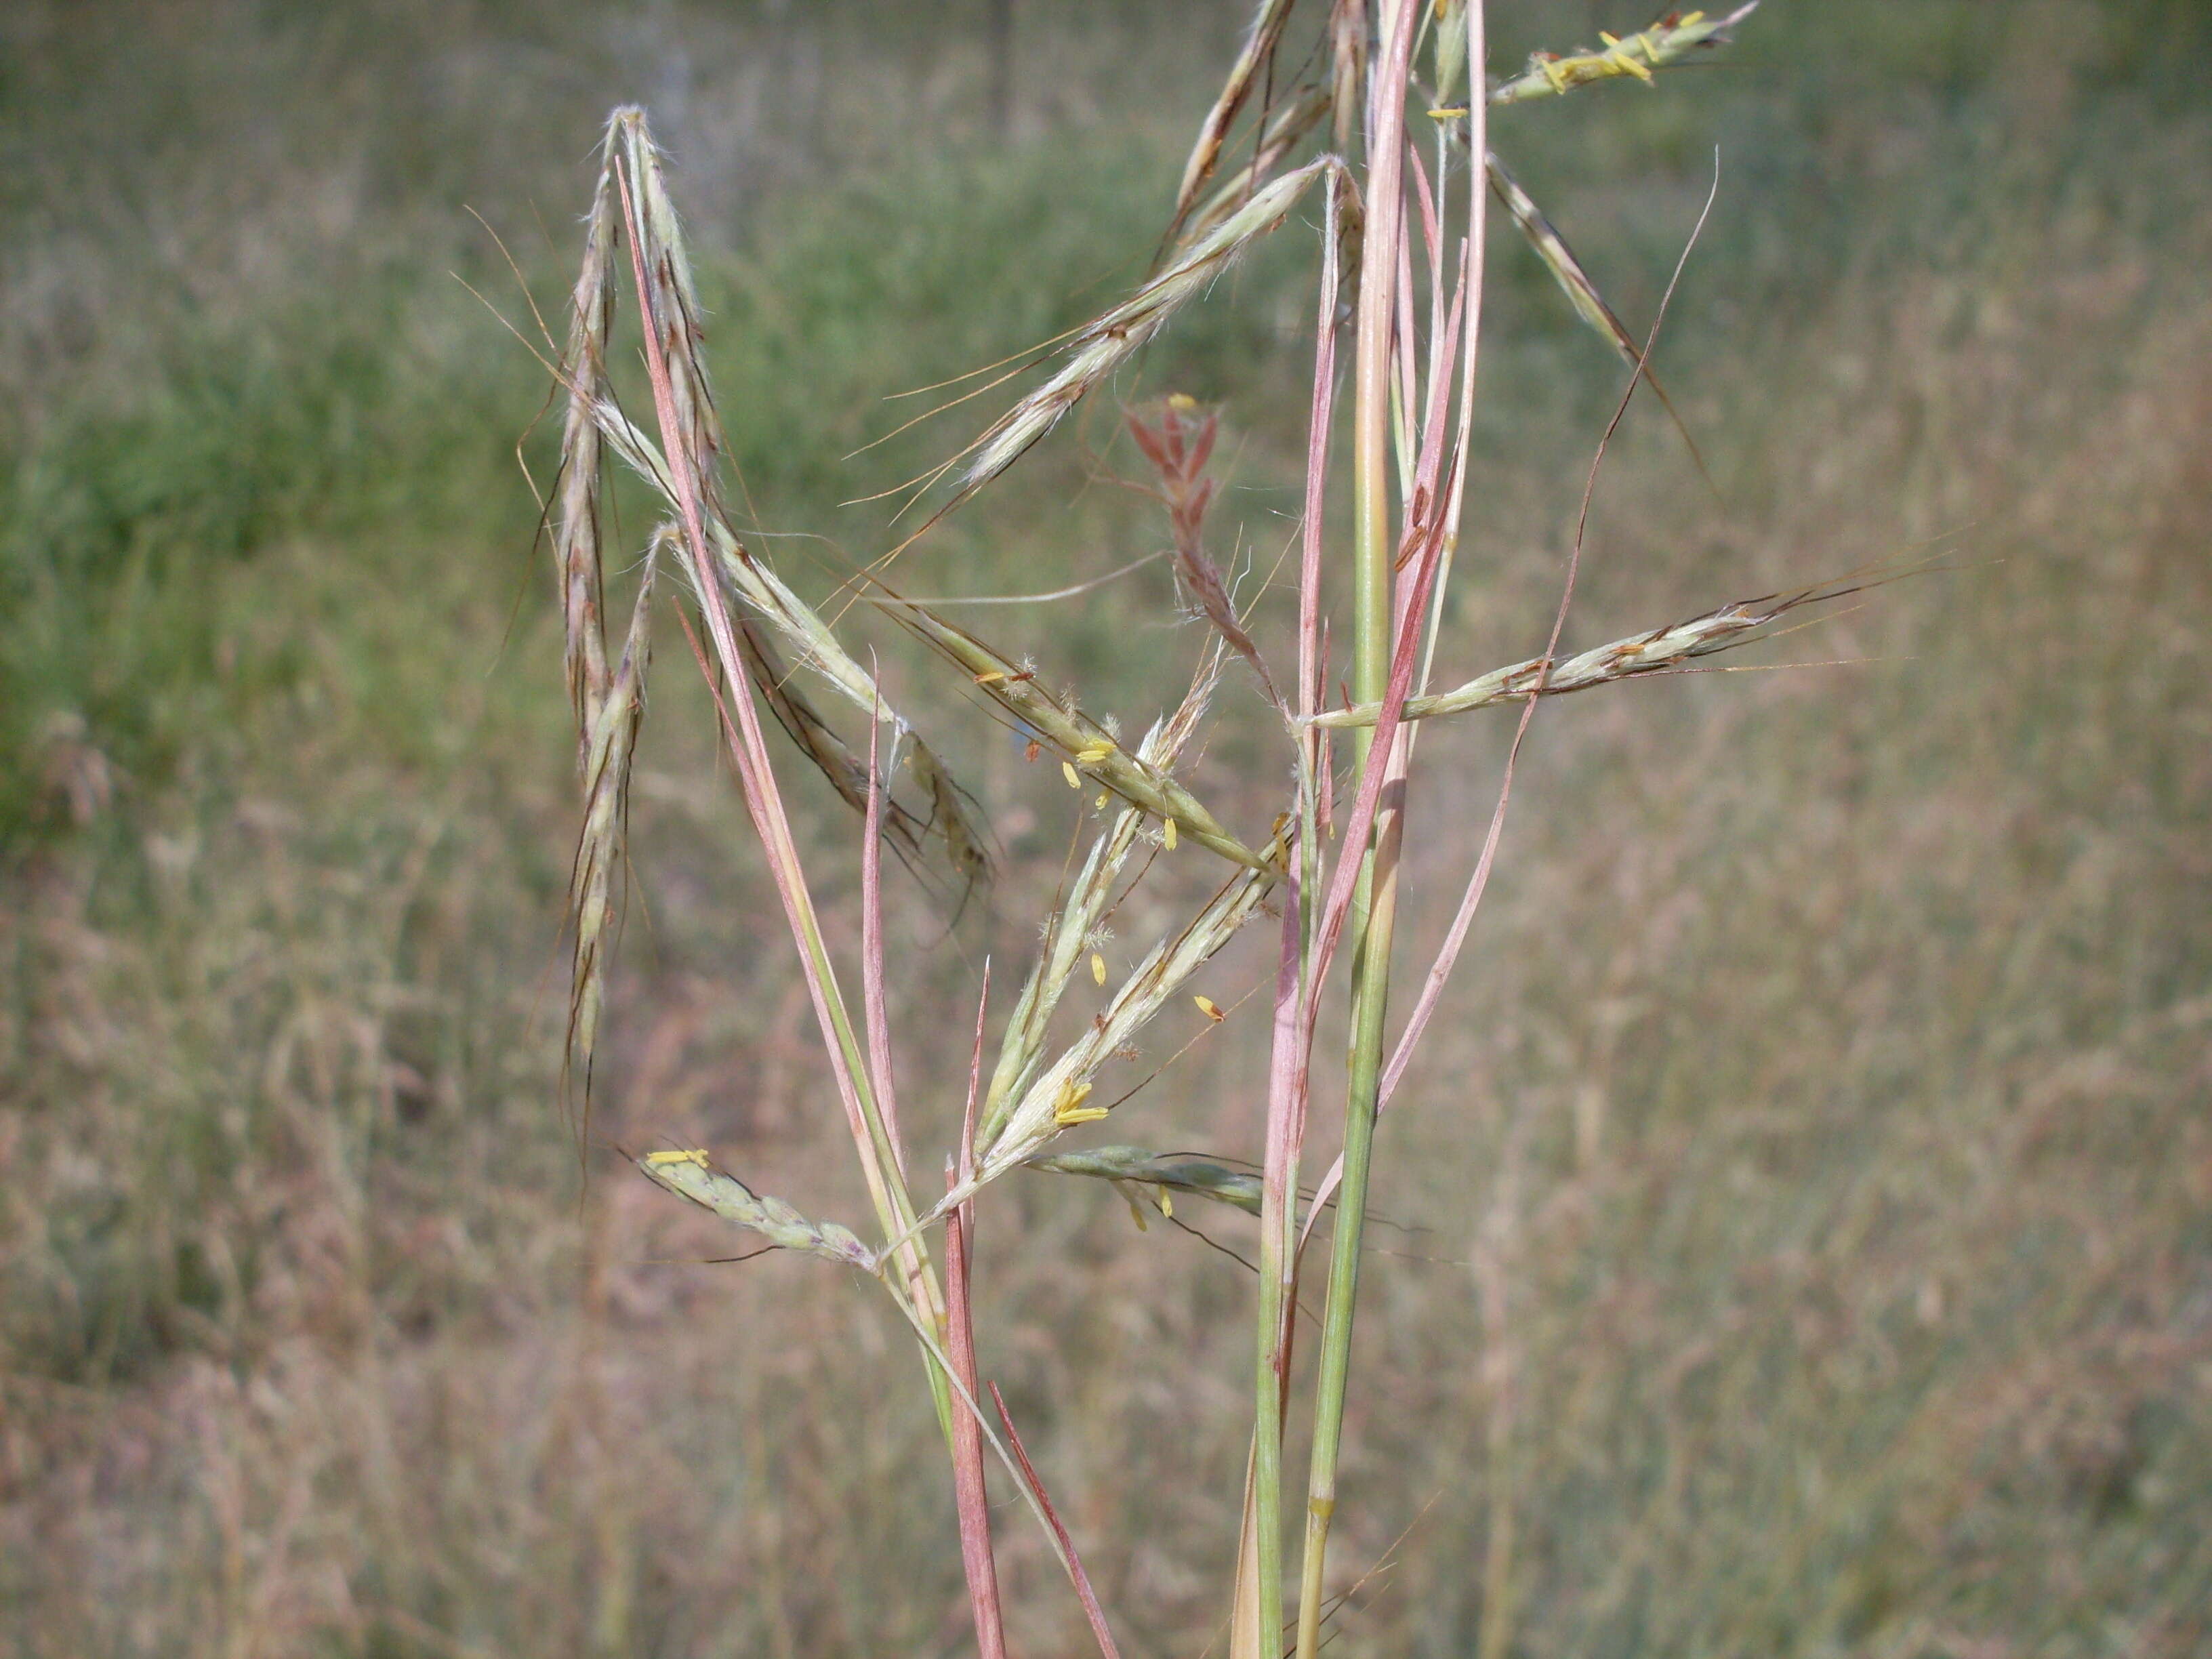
column 1802, row 1166
column 1412, row 254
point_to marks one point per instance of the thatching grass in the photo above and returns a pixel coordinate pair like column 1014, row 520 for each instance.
column 1819, row 1114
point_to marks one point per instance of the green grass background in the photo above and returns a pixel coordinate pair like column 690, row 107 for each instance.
column 1808, row 1187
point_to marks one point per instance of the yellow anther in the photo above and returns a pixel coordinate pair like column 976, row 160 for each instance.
column 1102, row 799
column 1068, row 772
column 1452, row 114
column 1167, row 1204
column 1070, row 1109
column 1168, row 835
column 1097, row 968
column 991, row 677
column 1182, row 401
column 1092, row 755
column 662, row 1160
column 1205, row 1005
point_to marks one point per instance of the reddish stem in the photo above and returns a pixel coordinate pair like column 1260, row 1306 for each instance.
column 1091, row 1609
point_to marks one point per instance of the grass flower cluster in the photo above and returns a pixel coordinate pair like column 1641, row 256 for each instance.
column 1402, row 256
column 1787, row 1233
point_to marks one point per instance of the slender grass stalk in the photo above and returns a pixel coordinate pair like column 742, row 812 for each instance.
column 1258, row 1605
column 1541, row 684
column 975, row 1554
column 1091, row 1612
column 882, row 1075
column 1458, row 44
column 1375, row 910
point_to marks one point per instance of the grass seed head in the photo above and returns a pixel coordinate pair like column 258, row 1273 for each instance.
column 1076, row 925
column 1256, row 55
column 1633, row 56
column 1112, row 339
column 576, row 530
column 1084, row 742
column 691, row 1174
column 1183, row 1172
column 1287, row 127
column 1033, row 1118
column 1654, row 652
column 609, row 745
column 766, row 597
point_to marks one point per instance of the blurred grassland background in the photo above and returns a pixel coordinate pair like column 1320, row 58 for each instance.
column 1807, row 1197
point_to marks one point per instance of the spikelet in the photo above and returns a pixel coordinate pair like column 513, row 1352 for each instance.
column 610, row 737
column 1108, row 342
column 1634, row 56
column 1087, row 747
column 1182, row 1172
column 1448, row 27
column 691, row 1174
column 1347, row 40
column 1076, row 919
column 1286, row 128
column 1033, row 1118
column 949, row 818
column 1256, row 55
column 1582, row 292
column 1559, row 258
column 576, row 546
column 667, row 264
column 763, row 593
column 607, row 704
column 1655, row 652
